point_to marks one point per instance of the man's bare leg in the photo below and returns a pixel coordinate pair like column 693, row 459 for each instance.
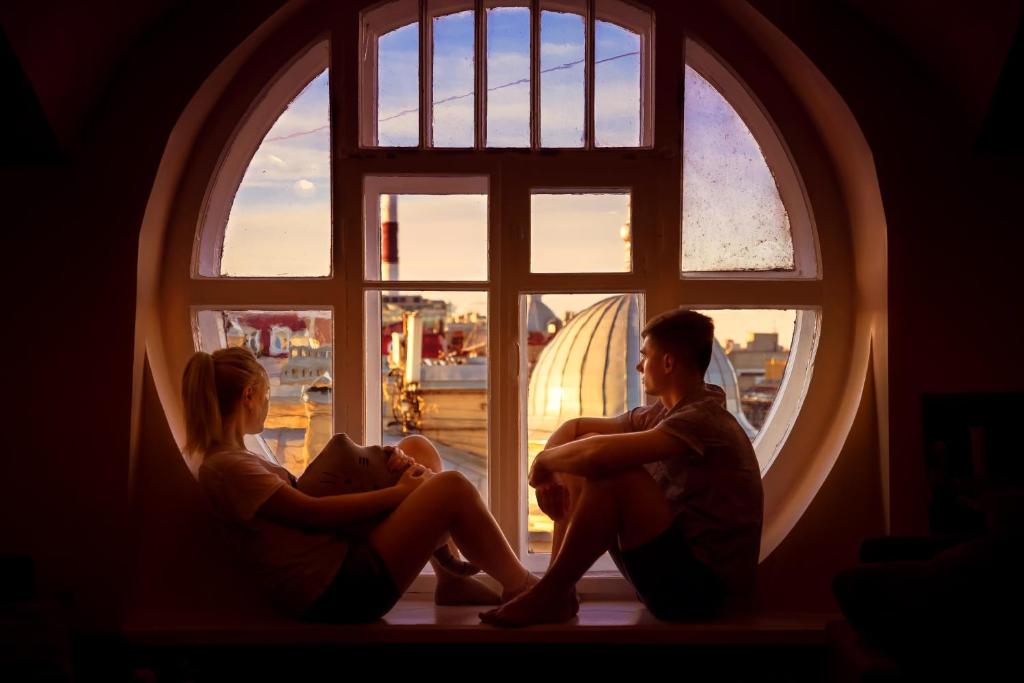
column 628, row 509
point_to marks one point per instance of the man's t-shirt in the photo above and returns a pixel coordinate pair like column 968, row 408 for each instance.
column 294, row 565
column 713, row 485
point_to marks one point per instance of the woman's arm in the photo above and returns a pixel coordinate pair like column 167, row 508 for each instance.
column 290, row 506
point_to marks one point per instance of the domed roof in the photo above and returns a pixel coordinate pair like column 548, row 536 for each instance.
column 539, row 314
column 721, row 372
column 589, row 368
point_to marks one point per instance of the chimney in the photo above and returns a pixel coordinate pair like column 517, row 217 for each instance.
column 389, row 237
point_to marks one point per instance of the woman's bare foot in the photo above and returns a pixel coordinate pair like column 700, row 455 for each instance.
column 534, row 607
column 464, row 590
column 529, row 582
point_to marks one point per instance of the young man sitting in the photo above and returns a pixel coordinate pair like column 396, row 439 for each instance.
column 671, row 490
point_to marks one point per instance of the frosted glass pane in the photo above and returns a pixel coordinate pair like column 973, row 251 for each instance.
column 398, row 87
column 433, row 237
column 581, row 356
column 280, row 222
column 733, row 216
column 453, row 80
column 616, row 86
column 296, row 348
column 585, row 233
column 561, row 79
column 433, row 361
column 508, row 77
column 749, row 360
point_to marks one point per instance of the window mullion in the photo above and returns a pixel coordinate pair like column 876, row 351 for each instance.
column 535, row 74
column 588, row 77
column 509, row 213
column 480, row 72
column 426, row 77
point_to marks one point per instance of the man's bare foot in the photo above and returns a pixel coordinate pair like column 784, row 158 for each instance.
column 534, row 607
column 466, row 590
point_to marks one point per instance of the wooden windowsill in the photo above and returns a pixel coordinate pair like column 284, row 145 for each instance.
column 417, row 619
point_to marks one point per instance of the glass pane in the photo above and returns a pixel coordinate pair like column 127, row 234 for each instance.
column 508, row 77
column 280, row 221
column 749, row 360
column 398, row 87
column 433, row 237
column 582, row 352
column 733, row 216
column 433, row 362
column 580, row 233
column 453, row 80
column 561, row 78
column 296, row 349
column 616, row 86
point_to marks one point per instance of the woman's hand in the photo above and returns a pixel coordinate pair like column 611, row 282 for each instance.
column 398, row 460
column 413, row 477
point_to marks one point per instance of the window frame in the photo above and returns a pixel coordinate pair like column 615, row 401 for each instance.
column 656, row 173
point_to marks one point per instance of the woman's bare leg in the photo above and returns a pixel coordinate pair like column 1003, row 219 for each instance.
column 451, row 589
column 446, row 503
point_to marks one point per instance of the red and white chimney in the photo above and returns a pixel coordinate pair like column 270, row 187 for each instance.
column 389, row 237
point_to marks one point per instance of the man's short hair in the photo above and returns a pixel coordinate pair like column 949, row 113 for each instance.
column 687, row 335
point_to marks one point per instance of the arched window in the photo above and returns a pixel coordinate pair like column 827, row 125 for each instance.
column 474, row 236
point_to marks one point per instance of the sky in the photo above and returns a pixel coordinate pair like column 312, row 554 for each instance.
column 733, row 218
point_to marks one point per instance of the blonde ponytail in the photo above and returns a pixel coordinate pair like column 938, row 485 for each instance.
column 211, row 389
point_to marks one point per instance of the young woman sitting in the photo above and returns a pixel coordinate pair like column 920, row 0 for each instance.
column 347, row 557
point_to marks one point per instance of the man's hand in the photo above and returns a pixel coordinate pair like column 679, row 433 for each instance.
column 539, row 472
column 553, row 500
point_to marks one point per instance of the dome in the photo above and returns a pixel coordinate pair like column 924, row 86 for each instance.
column 539, row 314
column 721, row 372
column 320, row 390
column 589, row 368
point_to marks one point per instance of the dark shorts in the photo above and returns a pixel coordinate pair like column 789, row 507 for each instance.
column 362, row 590
column 668, row 579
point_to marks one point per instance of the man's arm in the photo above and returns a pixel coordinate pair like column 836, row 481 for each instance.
column 570, row 430
column 603, row 455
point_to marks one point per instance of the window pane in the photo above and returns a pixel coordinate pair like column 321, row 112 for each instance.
column 616, row 86
column 430, row 237
column 561, row 78
column 398, row 87
column 582, row 352
column 733, row 216
column 280, row 221
column 508, row 77
column 433, row 373
column 296, row 349
column 749, row 360
column 579, row 233
column 453, row 80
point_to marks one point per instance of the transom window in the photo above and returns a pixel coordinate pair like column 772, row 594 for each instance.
column 506, row 73
column 482, row 295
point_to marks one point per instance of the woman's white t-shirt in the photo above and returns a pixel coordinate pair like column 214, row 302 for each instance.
column 294, row 565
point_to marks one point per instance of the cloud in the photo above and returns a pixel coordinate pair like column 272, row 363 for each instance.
column 304, row 188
